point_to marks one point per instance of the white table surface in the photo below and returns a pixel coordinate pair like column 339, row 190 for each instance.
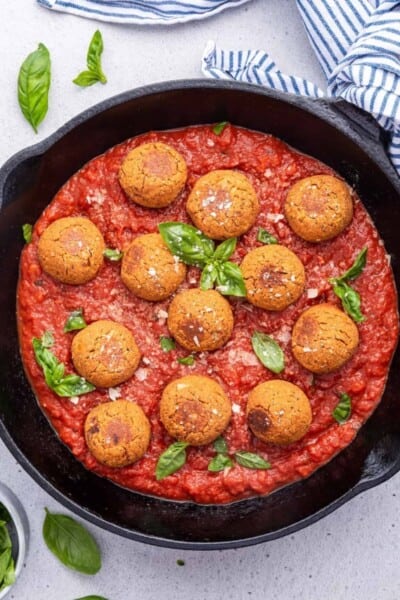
column 351, row 554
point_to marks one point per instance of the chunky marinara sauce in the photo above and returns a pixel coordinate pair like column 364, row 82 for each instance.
column 44, row 304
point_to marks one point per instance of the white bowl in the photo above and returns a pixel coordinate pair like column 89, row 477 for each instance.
column 21, row 526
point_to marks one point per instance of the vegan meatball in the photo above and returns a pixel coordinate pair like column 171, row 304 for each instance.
column 71, row 250
column 223, row 204
column 153, row 174
column 274, row 277
column 278, row 412
column 195, row 409
column 200, row 320
column 318, row 208
column 117, row 433
column 149, row 270
column 105, row 353
column 324, row 338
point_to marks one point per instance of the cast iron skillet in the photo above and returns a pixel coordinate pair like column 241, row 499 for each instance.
column 28, row 182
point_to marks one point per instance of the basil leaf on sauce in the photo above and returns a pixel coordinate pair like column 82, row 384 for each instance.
column 265, row 237
column 225, row 250
column 351, row 301
column 268, row 352
column 251, row 460
column 53, row 370
column 112, row 254
column 167, row 344
column 219, row 463
column 208, row 277
column 71, row 543
column 33, row 86
column 187, row 360
column 171, row 460
column 220, row 445
column 93, row 60
column 75, row 321
column 342, row 411
column 219, row 127
column 230, row 280
column 187, row 242
column 27, row 232
column 356, row 268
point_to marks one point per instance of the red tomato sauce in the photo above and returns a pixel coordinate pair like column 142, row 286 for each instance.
column 272, row 166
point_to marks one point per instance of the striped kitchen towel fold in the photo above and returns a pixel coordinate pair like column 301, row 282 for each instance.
column 142, row 12
column 358, row 45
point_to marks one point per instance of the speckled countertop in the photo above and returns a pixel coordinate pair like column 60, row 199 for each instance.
column 351, row 554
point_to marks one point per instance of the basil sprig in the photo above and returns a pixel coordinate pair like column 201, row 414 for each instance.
column 75, row 321
column 7, row 566
column 265, row 237
column 342, row 411
column 194, row 248
column 350, row 298
column 171, row 460
column 27, row 232
column 33, row 86
column 268, row 352
column 65, row 386
column 94, row 72
column 167, row 344
column 71, row 543
column 219, row 127
column 250, row 460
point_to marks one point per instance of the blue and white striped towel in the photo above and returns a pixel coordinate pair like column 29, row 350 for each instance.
column 358, row 45
column 142, row 12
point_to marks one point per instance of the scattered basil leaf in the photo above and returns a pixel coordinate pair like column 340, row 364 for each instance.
column 219, row 127
column 112, row 254
column 171, row 460
column 356, row 268
column 64, row 386
column 225, row 250
column 93, row 61
column 342, row 411
column 180, row 562
column 33, row 86
column 92, row 598
column 350, row 298
column 167, row 344
column 219, row 463
column 251, row 460
column 230, row 280
column 265, row 237
column 208, row 277
column 71, row 543
column 186, row 242
column 75, row 321
column 27, row 232
column 187, row 360
column 268, row 352
column 220, row 445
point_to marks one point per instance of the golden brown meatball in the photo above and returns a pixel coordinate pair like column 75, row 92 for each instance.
column 278, row 412
column 324, row 338
column 223, row 204
column 274, row 277
column 318, row 208
column 71, row 250
column 117, row 433
column 105, row 353
column 149, row 270
column 195, row 409
column 153, row 174
column 200, row 320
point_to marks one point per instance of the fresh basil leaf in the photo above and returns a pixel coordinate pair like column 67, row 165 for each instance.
column 27, row 232
column 220, row 445
column 230, row 280
column 342, row 411
column 92, row 598
column 93, row 61
column 167, row 344
column 225, row 250
column 268, row 352
column 351, row 300
column 48, row 339
column 112, row 254
column 33, row 86
column 265, row 237
column 356, row 268
column 171, row 460
column 208, row 277
column 72, row 385
column 75, row 321
column 71, row 543
column 186, row 242
column 219, row 127
column 219, row 463
column 187, row 360
column 4, row 514
column 251, row 461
